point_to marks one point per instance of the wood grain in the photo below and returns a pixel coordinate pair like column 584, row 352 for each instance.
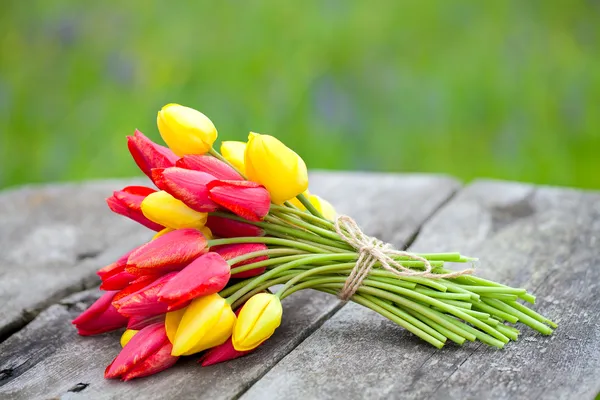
column 541, row 238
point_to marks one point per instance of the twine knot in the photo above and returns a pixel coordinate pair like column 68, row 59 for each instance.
column 372, row 251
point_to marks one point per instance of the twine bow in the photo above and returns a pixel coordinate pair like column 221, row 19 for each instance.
column 372, row 251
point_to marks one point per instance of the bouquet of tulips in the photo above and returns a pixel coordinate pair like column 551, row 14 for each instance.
column 231, row 226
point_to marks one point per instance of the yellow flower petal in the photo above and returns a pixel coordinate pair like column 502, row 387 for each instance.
column 166, row 210
column 233, row 152
column 276, row 167
column 127, row 335
column 172, row 320
column 185, row 130
column 257, row 321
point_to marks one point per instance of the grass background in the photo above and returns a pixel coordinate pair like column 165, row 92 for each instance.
column 504, row 89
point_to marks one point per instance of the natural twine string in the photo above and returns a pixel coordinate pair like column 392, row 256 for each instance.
column 371, row 251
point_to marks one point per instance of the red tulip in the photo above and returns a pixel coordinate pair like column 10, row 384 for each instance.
column 206, row 275
column 147, row 353
column 169, row 252
column 118, row 281
column 138, row 322
column 222, row 352
column 140, row 283
column 145, row 301
column 210, row 165
column 229, row 251
column 127, row 202
column 186, row 185
column 148, row 155
column 114, row 268
column 228, row 228
column 247, row 199
column 100, row 317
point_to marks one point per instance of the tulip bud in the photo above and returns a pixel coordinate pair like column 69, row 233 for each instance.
column 228, row 228
column 257, row 321
column 148, row 155
column 166, row 210
column 185, row 130
column 138, row 284
column 206, row 275
column 160, row 233
column 222, row 352
column 148, row 352
column 100, row 317
column 118, row 281
column 127, row 202
column 234, row 153
column 206, row 322
column 210, row 165
column 114, row 268
column 145, row 301
column 169, row 252
column 247, row 199
column 276, row 167
column 323, row 206
column 229, row 251
column 127, row 336
column 187, row 185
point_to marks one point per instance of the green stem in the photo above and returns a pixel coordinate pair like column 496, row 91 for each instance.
column 271, row 253
column 309, row 206
column 267, row 240
column 304, row 215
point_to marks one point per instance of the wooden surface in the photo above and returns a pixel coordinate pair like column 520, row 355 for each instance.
column 45, row 358
column 545, row 239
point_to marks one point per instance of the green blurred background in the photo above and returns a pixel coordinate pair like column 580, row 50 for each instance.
column 504, row 89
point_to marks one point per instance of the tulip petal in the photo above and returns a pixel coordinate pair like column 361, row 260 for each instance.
column 114, row 268
column 166, row 210
column 169, row 252
column 127, row 336
column 140, row 283
column 185, row 130
column 201, row 317
column 154, row 364
column 118, row 281
column 228, row 228
column 206, row 275
column 100, row 317
column 145, row 343
column 221, row 353
column 148, row 155
column 233, row 152
column 257, row 321
column 127, row 202
column 229, row 251
column 187, row 185
column 145, row 301
column 247, row 199
column 138, row 322
column 210, row 165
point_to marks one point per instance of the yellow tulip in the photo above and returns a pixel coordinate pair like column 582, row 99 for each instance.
column 162, row 232
column 206, row 232
column 207, row 322
column 234, row 153
column 127, row 335
column 257, row 321
column 185, row 130
column 172, row 320
column 166, row 210
column 323, row 206
column 276, row 167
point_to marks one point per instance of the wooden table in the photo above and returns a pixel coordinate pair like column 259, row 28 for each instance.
column 53, row 238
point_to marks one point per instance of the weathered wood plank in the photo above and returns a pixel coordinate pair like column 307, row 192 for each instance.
column 52, row 239
column 41, row 370
column 541, row 238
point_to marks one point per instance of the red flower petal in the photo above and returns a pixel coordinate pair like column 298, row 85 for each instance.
column 210, row 165
column 148, row 155
column 229, row 251
column 228, row 228
column 186, row 185
column 247, row 199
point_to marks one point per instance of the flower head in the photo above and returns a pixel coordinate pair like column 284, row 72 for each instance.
column 257, row 321
column 210, row 165
column 233, row 152
column 247, row 199
column 185, row 130
column 128, row 201
column 166, row 210
column 100, row 317
column 276, row 167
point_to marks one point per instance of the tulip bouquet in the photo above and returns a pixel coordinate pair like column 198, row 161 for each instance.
column 231, row 225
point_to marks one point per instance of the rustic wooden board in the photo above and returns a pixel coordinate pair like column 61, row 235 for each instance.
column 52, row 239
column 47, row 358
column 541, row 238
